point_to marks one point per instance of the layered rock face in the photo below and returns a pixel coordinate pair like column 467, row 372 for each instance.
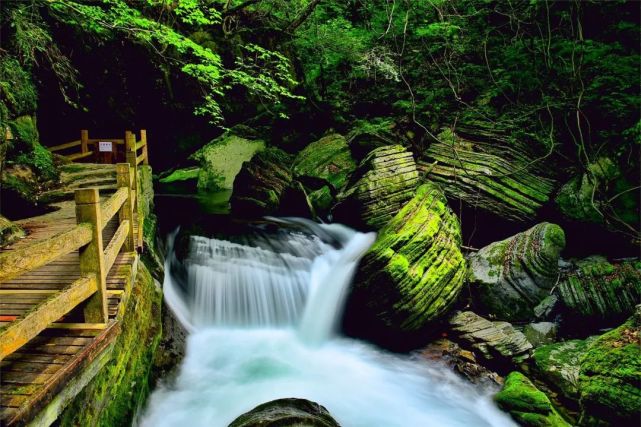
column 411, row 275
column 600, row 293
column 259, row 185
column 495, row 340
column 512, row 276
column 383, row 182
column 497, row 176
column 529, row 406
column 323, row 168
column 286, row 413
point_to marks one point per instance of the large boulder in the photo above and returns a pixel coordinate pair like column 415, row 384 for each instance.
column 383, row 182
column 488, row 170
column 260, row 184
column 411, row 275
column 286, row 413
column 529, row 406
column 610, row 375
column 323, row 168
column 596, row 293
column 498, row 341
column 511, row 277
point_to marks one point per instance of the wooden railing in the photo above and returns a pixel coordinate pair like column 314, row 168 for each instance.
column 87, row 149
column 96, row 260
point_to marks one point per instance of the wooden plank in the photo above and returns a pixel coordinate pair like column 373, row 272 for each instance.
column 79, row 156
column 20, row 366
column 111, row 206
column 113, row 248
column 21, row 331
column 21, row 260
column 58, row 359
column 140, row 159
column 65, row 146
column 83, row 326
column 9, row 377
column 139, row 145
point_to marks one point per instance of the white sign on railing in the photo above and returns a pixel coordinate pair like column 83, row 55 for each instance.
column 105, row 146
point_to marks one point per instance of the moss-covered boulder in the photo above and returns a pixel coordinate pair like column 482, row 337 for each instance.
column 411, row 275
column 323, row 167
column 384, row 181
column 558, row 365
column 529, row 406
column 498, row 341
column 286, row 413
column 511, row 277
column 181, row 181
column 25, row 148
column 597, row 294
column 260, row 183
column 490, row 171
column 610, row 377
column 9, row 232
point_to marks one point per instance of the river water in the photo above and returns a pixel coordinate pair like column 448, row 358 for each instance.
column 263, row 312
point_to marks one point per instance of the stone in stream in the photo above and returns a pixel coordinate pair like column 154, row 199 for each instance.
column 410, row 276
column 610, row 377
column 494, row 340
column 511, row 277
column 259, row 185
column 383, row 182
column 323, row 168
column 597, row 294
column 529, row 406
column 288, row 412
column 540, row 333
column 488, row 170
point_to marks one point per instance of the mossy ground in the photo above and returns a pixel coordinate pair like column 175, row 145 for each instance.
column 114, row 394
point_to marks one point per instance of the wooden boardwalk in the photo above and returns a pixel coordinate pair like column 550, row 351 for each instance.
column 53, row 360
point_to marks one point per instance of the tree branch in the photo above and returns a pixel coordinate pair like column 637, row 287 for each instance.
column 303, row 16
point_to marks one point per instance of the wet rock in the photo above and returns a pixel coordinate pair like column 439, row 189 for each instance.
column 494, row 340
column 558, row 365
column 546, row 307
column 323, row 168
column 286, row 413
column 411, row 275
column 511, row 277
column 540, row 333
column 462, row 361
column 259, row 185
column 597, row 294
column 488, row 171
column 9, row 232
column 384, row 181
column 529, row 406
column 610, row 375
column 221, row 160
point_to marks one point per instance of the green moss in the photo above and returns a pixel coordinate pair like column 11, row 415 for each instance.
column 610, row 375
column 328, row 159
column 181, row 175
column 19, row 94
column 528, row 405
column 114, row 394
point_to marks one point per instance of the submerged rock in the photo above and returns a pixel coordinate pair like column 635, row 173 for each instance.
column 488, row 172
column 495, row 340
column 513, row 276
column 384, row 181
column 529, row 406
column 411, row 275
column 286, row 413
column 597, row 294
column 610, row 375
column 323, row 167
column 260, row 184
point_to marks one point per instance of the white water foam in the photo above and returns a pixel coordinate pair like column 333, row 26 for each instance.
column 250, row 353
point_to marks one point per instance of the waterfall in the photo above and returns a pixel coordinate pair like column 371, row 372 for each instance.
column 262, row 312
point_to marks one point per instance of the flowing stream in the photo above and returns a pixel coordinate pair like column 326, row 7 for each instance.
column 262, row 314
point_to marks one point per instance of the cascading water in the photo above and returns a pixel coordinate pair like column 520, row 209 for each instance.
column 261, row 315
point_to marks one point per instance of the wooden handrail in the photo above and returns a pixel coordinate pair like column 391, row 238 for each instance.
column 139, row 145
column 20, row 331
column 85, row 143
column 111, row 206
column 71, row 144
column 79, row 156
column 116, row 243
column 19, row 261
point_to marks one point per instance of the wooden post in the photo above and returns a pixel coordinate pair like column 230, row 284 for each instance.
column 130, row 143
column 92, row 258
column 127, row 210
column 84, row 141
column 143, row 138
